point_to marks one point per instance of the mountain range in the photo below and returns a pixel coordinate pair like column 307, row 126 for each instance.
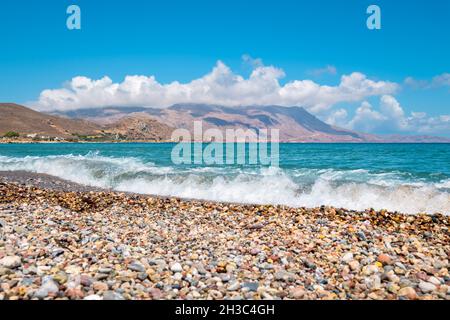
column 295, row 124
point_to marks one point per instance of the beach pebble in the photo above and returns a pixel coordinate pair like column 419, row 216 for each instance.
column 114, row 246
column 176, row 267
column 384, row 259
column 251, row 286
column 370, row 269
column 434, row 281
column 86, row 280
column 136, row 266
column 178, row 276
column 48, row 287
column 60, row 277
column 298, row 293
column 347, row 257
column 100, row 286
column 215, row 294
column 407, row 292
column 354, row 265
column 5, row 271
column 285, row 276
column 74, row 294
column 234, row 286
column 111, row 295
column 10, row 262
column 427, row 287
column 73, row 269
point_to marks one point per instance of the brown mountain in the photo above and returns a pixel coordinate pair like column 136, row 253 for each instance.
column 25, row 121
column 139, row 127
column 295, row 123
column 17, row 118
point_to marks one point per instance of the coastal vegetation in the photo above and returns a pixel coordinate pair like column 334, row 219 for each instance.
column 11, row 134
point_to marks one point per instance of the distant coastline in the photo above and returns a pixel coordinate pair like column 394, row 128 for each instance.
column 294, row 124
column 74, row 142
column 170, row 141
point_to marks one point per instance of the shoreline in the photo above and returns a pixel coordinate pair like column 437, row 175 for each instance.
column 59, row 240
column 206, row 142
column 47, row 181
column 75, row 142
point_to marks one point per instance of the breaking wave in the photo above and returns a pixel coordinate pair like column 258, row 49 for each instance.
column 351, row 189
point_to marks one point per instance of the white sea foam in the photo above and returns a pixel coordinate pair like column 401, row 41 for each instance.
column 91, row 169
column 443, row 185
column 351, row 189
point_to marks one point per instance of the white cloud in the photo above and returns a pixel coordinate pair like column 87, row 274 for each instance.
column 415, row 83
column 391, row 117
column 220, row 86
column 337, row 118
column 366, row 119
column 429, row 125
column 391, row 108
column 439, row 81
column 329, row 69
column 442, row 80
column 352, row 88
column 252, row 62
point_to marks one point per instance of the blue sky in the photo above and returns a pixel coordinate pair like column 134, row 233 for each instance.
column 183, row 40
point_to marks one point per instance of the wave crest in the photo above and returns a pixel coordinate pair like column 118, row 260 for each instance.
column 351, row 189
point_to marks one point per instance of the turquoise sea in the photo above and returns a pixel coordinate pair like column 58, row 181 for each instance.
column 409, row 178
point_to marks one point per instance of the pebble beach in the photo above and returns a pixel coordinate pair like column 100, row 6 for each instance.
column 60, row 240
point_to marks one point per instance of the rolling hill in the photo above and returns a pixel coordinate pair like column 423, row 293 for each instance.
column 17, row 118
column 25, row 121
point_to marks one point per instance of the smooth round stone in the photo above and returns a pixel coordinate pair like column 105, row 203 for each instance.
column 11, row 262
column 136, row 266
column 176, row 267
column 48, row 287
column 298, row 293
column 251, row 286
column 427, row 287
column 234, row 286
column 407, row 292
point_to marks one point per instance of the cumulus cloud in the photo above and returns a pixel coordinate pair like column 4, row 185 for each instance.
column 390, row 117
column 337, row 118
column 366, row 119
column 220, row 86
